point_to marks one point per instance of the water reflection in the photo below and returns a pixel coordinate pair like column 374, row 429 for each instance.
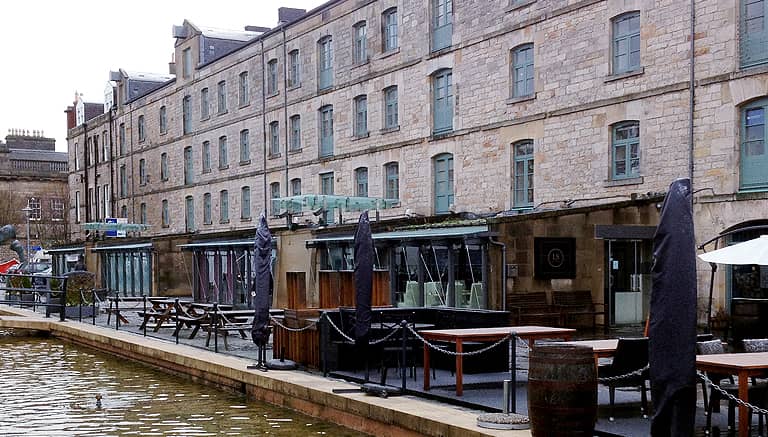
column 49, row 388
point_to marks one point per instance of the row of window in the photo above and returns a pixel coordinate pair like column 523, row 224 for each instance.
column 35, row 209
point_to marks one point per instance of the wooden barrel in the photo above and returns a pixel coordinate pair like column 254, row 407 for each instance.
column 562, row 390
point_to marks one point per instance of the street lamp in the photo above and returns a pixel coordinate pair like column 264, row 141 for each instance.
column 27, row 211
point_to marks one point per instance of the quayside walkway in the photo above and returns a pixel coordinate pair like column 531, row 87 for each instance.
column 308, row 393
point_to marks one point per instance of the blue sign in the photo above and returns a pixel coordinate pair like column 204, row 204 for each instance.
column 110, row 233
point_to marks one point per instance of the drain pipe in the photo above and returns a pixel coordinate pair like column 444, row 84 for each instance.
column 503, row 271
column 264, row 128
column 691, row 93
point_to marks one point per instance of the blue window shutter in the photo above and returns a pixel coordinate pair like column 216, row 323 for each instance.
column 754, row 146
column 442, row 24
column 443, row 183
column 753, row 32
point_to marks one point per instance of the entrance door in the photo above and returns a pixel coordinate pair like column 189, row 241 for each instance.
column 628, row 280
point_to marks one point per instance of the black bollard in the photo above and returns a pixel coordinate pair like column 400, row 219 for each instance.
column 215, row 327
column 176, row 308
column 403, row 326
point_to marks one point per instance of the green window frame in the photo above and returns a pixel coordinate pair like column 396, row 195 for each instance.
column 189, row 214
column 390, row 108
column 326, row 187
column 143, row 213
column 325, row 63
column 326, row 131
column 245, row 146
column 274, row 139
column 522, row 71
column 163, row 120
column 245, row 203
column 272, row 77
column 523, row 174
column 165, row 218
column 188, row 166
column 361, row 116
column 294, row 69
column 142, row 131
column 626, row 43
column 123, row 181
column 121, row 137
column 389, row 29
column 625, row 150
column 442, row 24
column 753, row 168
column 361, row 182
column 142, row 171
column 753, row 32
column 274, row 194
column 360, row 43
column 222, row 96
column 392, row 181
column 442, row 102
column 245, row 97
column 164, row 166
column 186, row 114
column 295, row 132
column 206, row 156
column 444, row 178
column 224, row 206
column 207, row 216
column 296, row 187
column 223, row 159
column 205, row 106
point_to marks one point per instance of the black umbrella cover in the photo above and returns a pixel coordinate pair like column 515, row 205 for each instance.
column 262, row 283
column 363, row 278
column 672, row 330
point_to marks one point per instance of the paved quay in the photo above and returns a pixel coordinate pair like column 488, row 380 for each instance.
column 299, row 390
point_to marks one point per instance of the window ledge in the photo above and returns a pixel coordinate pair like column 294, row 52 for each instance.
column 164, row 133
column 222, row 112
column 621, row 182
column 206, row 118
column 165, row 226
column 224, row 167
column 206, row 171
column 624, row 75
column 207, row 223
column 274, row 155
column 246, row 162
column 273, row 94
column 440, row 52
column 294, row 151
column 440, row 135
column 387, row 130
column 521, row 99
column 752, row 193
column 388, row 53
column 244, row 105
column 360, row 136
column 224, row 222
column 163, row 179
column 294, row 87
column 326, row 157
column 246, row 219
column 518, row 5
column 360, row 63
column 325, row 90
column 748, row 70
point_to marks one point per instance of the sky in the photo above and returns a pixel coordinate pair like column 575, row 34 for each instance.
column 53, row 49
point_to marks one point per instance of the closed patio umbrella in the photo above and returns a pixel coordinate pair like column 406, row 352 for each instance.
column 363, row 283
column 262, row 287
column 672, row 327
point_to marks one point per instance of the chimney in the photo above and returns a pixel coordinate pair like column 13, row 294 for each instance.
column 287, row 15
column 70, row 111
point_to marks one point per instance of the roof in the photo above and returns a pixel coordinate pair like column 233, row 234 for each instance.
column 234, row 35
column 148, row 77
column 124, row 247
column 37, row 155
column 456, row 232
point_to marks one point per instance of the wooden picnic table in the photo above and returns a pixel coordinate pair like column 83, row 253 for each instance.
column 115, row 301
column 162, row 311
column 744, row 366
column 459, row 336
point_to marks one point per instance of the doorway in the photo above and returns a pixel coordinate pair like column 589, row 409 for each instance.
column 628, row 280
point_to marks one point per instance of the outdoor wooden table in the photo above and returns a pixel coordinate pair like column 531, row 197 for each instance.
column 458, row 336
column 115, row 308
column 230, row 321
column 600, row 348
column 162, row 311
column 742, row 365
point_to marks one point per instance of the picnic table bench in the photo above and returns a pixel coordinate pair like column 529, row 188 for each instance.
column 533, row 309
column 228, row 321
column 577, row 303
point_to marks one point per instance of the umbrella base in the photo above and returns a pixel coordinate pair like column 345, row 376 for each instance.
column 276, row 364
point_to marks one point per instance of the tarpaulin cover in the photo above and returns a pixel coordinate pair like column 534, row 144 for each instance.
column 262, row 283
column 672, row 329
column 363, row 279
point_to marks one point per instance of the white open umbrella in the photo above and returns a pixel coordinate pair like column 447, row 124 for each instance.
column 754, row 251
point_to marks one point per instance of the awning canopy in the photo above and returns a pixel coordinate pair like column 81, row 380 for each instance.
column 211, row 244
column 444, row 233
column 754, row 251
column 129, row 227
column 66, row 250
column 314, row 202
column 124, row 247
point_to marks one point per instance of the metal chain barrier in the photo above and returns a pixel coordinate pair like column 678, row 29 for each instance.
column 277, row 322
column 386, row 337
column 634, row 373
column 464, row 354
column 729, row 396
column 330, row 322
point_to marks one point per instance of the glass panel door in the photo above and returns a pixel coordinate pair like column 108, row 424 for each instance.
column 628, row 280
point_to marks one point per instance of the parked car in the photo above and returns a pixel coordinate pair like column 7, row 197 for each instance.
column 40, row 272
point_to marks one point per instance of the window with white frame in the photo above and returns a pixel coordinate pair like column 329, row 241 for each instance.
column 35, row 213
column 57, row 209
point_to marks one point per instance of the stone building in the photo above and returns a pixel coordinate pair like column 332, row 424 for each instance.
column 33, row 175
column 537, row 126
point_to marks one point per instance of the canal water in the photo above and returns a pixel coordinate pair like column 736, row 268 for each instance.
column 50, row 388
